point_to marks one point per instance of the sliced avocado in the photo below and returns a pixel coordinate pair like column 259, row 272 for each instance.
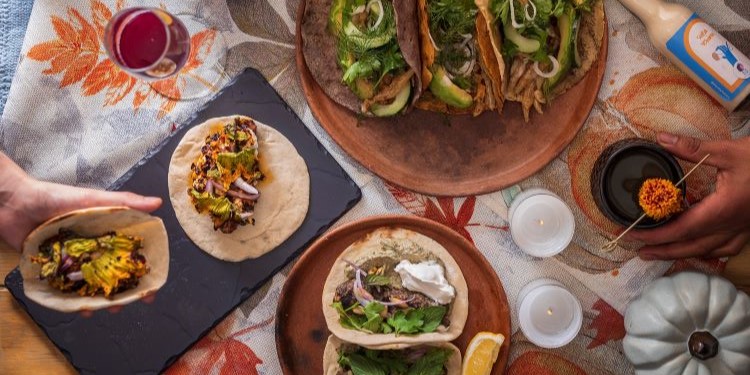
column 566, row 53
column 363, row 88
column 366, row 41
column 384, row 110
column 447, row 91
column 336, row 16
column 524, row 45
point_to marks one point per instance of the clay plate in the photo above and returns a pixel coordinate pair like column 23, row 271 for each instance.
column 301, row 330
column 436, row 154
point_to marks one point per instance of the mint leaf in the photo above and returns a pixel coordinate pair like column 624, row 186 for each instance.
column 361, row 365
column 377, row 280
column 433, row 315
column 432, row 363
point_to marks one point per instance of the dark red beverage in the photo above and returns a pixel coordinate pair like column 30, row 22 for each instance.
column 147, row 42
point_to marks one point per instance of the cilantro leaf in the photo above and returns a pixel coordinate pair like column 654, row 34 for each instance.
column 374, row 319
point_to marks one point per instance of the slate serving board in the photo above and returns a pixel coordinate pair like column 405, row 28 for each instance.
column 148, row 335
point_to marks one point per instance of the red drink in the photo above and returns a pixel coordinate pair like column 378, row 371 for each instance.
column 147, row 42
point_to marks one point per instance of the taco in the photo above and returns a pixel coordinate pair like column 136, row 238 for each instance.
column 395, row 288
column 95, row 258
column 548, row 46
column 364, row 53
column 238, row 187
column 340, row 358
column 460, row 70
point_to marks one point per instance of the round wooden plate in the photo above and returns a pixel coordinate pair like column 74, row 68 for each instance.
column 301, row 330
column 436, row 154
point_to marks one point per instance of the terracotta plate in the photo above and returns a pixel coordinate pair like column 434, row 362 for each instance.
column 455, row 155
column 301, row 330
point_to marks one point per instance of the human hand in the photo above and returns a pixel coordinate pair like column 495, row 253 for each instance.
column 717, row 226
column 26, row 202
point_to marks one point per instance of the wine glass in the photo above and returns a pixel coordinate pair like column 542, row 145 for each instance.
column 153, row 45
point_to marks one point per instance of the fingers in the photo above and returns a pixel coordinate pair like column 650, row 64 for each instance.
column 67, row 198
column 731, row 248
column 695, row 222
column 686, row 249
column 693, row 149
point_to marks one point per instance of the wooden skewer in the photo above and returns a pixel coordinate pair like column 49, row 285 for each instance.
column 611, row 245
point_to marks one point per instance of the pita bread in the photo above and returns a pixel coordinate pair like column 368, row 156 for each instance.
column 283, row 204
column 369, row 247
column 334, row 345
column 93, row 222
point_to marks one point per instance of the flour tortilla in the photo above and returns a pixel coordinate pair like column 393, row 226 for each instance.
column 334, row 344
column 368, row 248
column 92, row 222
column 281, row 208
column 320, row 50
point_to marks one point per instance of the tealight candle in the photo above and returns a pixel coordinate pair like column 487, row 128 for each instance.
column 549, row 315
column 541, row 224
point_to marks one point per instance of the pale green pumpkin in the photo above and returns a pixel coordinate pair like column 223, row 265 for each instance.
column 689, row 323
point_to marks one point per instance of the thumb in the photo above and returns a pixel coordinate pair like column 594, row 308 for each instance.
column 694, row 149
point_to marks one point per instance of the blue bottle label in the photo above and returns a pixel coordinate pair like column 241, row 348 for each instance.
column 711, row 57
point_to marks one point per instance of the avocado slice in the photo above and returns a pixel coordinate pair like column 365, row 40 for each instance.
column 336, row 16
column 447, row 91
column 384, row 110
column 366, row 41
column 524, row 45
column 566, row 53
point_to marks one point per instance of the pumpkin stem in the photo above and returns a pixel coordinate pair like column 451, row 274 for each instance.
column 703, row 345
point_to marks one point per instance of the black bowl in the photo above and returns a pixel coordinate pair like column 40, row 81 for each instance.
column 619, row 173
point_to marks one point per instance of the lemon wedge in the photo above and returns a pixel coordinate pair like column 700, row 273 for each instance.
column 482, row 353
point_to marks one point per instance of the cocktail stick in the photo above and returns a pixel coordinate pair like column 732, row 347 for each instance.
column 611, row 245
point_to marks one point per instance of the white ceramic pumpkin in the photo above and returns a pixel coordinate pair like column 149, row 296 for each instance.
column 689, row 323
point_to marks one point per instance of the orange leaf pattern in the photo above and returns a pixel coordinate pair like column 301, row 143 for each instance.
column 609, row 325
column 78, row 55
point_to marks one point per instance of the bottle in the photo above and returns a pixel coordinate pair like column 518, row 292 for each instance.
column 697, row 49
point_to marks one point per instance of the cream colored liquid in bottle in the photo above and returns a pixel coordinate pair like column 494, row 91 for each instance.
column 697, row 49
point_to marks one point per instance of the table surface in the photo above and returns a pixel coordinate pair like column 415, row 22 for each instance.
column 25, row 349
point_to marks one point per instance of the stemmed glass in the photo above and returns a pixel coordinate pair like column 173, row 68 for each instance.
column 153, row 45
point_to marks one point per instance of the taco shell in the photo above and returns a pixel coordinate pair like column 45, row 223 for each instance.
column 96, row 222
column 283, row 203
column 369, row 247
column 334, row 344
column 319, row 47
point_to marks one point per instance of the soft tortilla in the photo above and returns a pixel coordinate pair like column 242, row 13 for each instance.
column 283, row 203
column 590, row 37
column 334, row 344
column 96, row 222
column 320, row 51
column 367, row 248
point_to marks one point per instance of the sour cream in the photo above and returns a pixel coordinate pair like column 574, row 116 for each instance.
column 427, row 278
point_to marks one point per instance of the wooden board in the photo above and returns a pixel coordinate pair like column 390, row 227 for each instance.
column 301, row 330
column 444, row 155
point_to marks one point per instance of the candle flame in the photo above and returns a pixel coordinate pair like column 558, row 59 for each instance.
column 549, row 311
column 540, row 222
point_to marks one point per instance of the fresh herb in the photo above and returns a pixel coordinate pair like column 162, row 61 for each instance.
column 451, row 21
column 403, row 321
column 377, row 280
column 363, row 361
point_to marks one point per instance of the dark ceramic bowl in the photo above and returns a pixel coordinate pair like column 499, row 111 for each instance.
column 619, row 173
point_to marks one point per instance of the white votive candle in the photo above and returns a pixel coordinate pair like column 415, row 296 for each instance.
column 549, row 315
column 541, row 224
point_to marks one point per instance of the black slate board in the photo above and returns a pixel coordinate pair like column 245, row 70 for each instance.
column 146, row 337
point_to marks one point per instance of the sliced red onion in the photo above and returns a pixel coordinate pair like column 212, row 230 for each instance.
column 356, row 267
column 243, row 195
column 66, row 263
column 242, row 184
column 513, row 21
column 246, row 215
column 530, row 17
column 415, row 354
column 75, row 276
column 218, row 187
column 379, row 4
column 209, row 187
column 362, row 295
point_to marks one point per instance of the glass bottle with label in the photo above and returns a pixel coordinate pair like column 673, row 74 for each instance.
column 697, row 49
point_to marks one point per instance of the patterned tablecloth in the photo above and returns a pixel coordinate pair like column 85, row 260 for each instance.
column 73, row 117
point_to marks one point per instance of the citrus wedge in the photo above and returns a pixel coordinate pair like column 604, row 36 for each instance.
column 482, row 353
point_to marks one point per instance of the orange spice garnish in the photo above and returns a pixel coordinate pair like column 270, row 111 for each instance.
column 659, row 198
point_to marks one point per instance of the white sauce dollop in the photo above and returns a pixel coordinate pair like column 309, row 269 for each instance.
column 427, row 278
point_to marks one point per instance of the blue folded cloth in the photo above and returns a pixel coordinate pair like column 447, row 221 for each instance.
column 14, row 16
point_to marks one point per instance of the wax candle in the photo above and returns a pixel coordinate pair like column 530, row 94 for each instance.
column 549, row 315
column 541, row 224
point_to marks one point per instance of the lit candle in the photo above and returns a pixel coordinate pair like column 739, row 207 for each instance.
column 541, row 224
column 549, row 315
